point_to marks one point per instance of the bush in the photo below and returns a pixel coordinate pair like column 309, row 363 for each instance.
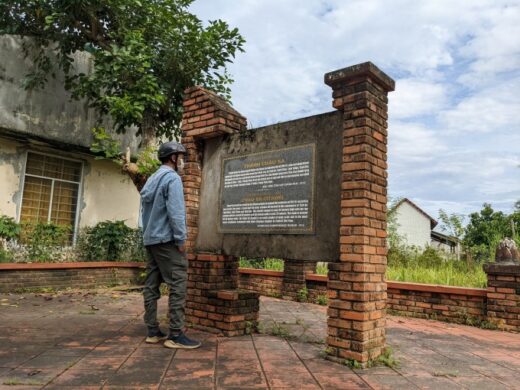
column 9, row 229
column 43, row 240
column 110, row 241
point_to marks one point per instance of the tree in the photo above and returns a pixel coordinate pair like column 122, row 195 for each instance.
column 146, row 53
column 452, row 224
column 487, row 228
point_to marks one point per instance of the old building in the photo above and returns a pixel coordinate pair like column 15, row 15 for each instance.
column 47, row 171
column 416, row 228
column 414, row 225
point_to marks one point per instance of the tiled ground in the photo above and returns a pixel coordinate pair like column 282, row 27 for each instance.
column 89, row 341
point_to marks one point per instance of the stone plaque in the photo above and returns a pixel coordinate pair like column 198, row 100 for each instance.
column 270, row 192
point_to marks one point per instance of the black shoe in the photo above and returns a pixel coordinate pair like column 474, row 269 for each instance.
column 181, row 341
column 155, row 336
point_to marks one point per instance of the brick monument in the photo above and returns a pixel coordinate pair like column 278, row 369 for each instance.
column 312, row 189
column 213, row 301
column 357, row 287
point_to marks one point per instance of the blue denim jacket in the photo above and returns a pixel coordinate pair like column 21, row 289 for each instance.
column 162, row 208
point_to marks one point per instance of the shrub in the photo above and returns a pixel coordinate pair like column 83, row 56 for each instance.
column 43, row 240
column 110, row 241
column 9, row 229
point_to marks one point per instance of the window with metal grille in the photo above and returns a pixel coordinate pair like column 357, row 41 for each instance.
column 51, row 190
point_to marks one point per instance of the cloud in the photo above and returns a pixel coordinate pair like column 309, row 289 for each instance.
column 412, row 142
column 454, row 124
column 415, row 97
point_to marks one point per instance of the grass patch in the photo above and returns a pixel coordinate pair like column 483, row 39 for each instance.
column 450, row 273
column 406, row 265
column 267, row 263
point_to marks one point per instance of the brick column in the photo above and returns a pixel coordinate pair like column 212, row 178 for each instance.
column 357, row 287
column 294, row 272
column 503, row 295
column 213, row 301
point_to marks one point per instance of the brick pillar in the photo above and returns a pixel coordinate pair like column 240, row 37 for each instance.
column 503, row 295
column 294, row 272
column 357, row 287
column 213, row 301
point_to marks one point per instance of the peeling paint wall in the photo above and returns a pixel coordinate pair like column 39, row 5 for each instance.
column 11, row 167
column 105, row 193
column 48, row 113
column 108, row 194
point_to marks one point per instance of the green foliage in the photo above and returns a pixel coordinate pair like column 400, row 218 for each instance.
column 267, row 263
column 42, row 239
column 145, row 54
column 322, row 299
column 452, row 273
column 6, row 256
column 147, row 162
column 9, row 229
column 486, row 229
column 386, row 359
column 303, row 295
column 408, row 264
column 279, row 330
column 105, row 145
column 352, row 363
column 322, row 268
column 111, row 241
column 393, row 238
column 452, row 224
column 251, row 327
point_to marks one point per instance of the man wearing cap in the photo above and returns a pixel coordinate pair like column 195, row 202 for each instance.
column 164, row 236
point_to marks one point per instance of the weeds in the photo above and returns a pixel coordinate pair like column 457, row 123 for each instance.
column 303, row 295
column 322, row 300
column 280, row 331
column 352, row 363
column 326, row 352
column 251, row 327
column 386, row 359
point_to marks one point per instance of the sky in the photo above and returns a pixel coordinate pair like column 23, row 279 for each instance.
column 454, row 117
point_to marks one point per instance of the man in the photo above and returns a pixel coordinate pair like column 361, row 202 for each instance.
column 164, row 236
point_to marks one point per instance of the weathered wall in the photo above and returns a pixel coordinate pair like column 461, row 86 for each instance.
column 326, row 131
column 413, row 226
column 106, row 194
column 11, row 166
column 47, row 114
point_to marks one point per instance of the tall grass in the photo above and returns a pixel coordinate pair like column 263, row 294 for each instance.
column 406, row 264
column 267, row 263
column 449, row 274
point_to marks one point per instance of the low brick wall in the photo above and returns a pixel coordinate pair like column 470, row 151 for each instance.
column 18, row 277
column 264, row 282
column 445, row 303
